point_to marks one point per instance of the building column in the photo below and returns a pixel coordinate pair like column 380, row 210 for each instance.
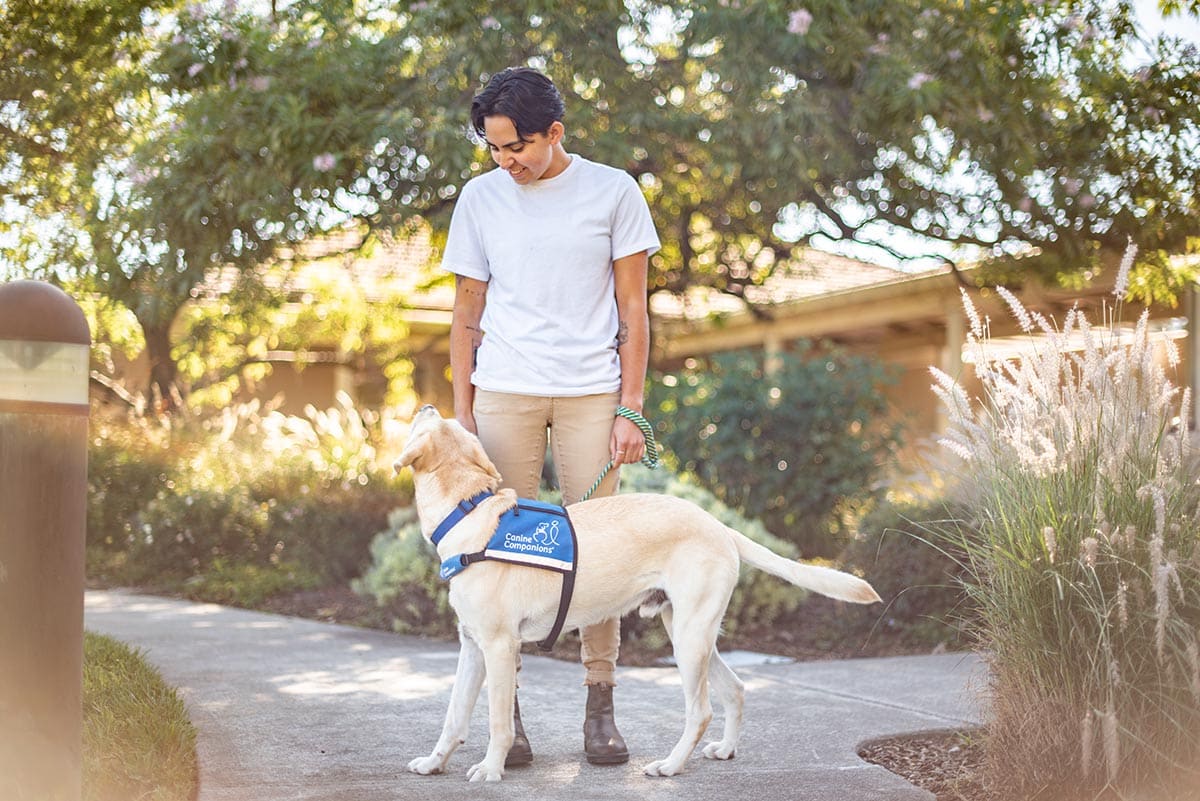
column 772, row 354
column 951, row 361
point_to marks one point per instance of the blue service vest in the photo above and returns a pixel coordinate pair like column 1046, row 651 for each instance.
column 532, row 533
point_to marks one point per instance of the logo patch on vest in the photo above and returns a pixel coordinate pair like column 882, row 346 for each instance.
column 533, row 533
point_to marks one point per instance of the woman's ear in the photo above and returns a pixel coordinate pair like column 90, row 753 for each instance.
column 556, row 133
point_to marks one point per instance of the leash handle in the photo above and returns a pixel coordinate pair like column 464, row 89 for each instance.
column 649, row 458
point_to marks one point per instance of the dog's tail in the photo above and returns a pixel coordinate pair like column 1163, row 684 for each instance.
column 824, row 580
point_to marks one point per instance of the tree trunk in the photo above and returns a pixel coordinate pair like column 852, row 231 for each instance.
column 162, row 391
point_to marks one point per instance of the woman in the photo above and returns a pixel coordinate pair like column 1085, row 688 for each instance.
column 550, row 332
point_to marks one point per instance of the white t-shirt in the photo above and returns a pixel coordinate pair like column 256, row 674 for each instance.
column 547, row 251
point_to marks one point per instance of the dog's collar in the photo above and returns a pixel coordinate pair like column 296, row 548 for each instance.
column 464, row 508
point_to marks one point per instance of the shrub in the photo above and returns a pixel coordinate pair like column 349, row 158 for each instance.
column 403, row 577
column 127, row 464
column 790, row 448
column 1086, row 571
column 240, row 505
column 901, row 548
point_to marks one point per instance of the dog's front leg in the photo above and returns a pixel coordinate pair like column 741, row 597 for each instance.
column 468, row 679
column 500, row 657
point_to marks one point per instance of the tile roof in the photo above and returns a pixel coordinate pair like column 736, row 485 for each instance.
column 815, row 274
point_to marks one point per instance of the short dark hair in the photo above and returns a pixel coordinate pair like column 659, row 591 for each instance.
column 524, row 95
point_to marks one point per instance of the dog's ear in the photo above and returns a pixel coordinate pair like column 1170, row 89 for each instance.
column 413, row 449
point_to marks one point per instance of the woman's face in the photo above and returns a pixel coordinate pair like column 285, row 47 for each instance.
column 525, row 160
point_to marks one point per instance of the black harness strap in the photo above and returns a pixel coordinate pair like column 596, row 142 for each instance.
column 564, row 601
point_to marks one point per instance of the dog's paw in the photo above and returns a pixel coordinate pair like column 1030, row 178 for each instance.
column 662, row 767
column 482, row 772
column 426, row 765
column 719, row 751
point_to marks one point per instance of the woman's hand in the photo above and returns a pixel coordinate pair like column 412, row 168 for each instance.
column 628, row 443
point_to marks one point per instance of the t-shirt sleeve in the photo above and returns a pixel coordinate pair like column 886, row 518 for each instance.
column 633, row 227
column 464, row 254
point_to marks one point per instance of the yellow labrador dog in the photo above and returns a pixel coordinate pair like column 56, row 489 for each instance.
column 631, row 549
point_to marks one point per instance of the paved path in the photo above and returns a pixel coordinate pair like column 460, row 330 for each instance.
column 295, row 710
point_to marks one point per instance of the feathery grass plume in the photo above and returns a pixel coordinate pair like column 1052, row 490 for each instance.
column 1193, row 655
column 1112, row 743
column 1123, row 604
column 1087, row 743
column 1018, row 309
column 1051, row 541
column 1089, row 552
column 1084, row 564
column 1121, row 285
column 977, row 330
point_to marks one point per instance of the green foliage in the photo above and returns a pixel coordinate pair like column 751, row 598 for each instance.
column 240, row 507
column 1085, row 573
column 792, row 447
column 247, row 584
column 151, row 143
column 137, row 739
column 403, row 577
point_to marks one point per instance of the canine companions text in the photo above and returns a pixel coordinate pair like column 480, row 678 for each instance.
column 632, row 551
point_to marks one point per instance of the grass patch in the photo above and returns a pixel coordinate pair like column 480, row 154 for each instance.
column 138, row 743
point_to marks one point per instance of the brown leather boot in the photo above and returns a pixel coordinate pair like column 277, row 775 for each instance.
column 520, row 753
column 602, row 742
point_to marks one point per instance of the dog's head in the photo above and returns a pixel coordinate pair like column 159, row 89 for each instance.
column 441, row 446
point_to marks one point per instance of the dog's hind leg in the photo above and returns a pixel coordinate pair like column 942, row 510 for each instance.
column 500, row 658
column 468, row 679
column 732, row 694
column 694, row 635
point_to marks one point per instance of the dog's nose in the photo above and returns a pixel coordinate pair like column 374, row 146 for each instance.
column 426, row 407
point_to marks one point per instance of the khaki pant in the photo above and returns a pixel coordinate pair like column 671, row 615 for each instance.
column 514, row 430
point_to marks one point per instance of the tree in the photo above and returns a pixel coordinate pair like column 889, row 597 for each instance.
column 1017, row 128
column 1024, row 130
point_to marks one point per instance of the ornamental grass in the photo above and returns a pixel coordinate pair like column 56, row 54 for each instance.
column 1084, row 567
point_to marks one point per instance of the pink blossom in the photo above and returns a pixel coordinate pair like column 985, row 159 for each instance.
column 259, row 83
column 324, row 162
column 919, row 79
column 490, row 23
column 194, row 70
column 799, row 20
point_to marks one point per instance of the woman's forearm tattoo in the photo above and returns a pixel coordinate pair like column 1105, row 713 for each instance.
column 622, row 332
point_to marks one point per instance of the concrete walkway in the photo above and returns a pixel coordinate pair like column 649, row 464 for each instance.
column 293, row 710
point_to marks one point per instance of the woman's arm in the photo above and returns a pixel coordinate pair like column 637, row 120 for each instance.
column 633, row 346
column 470, row 297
